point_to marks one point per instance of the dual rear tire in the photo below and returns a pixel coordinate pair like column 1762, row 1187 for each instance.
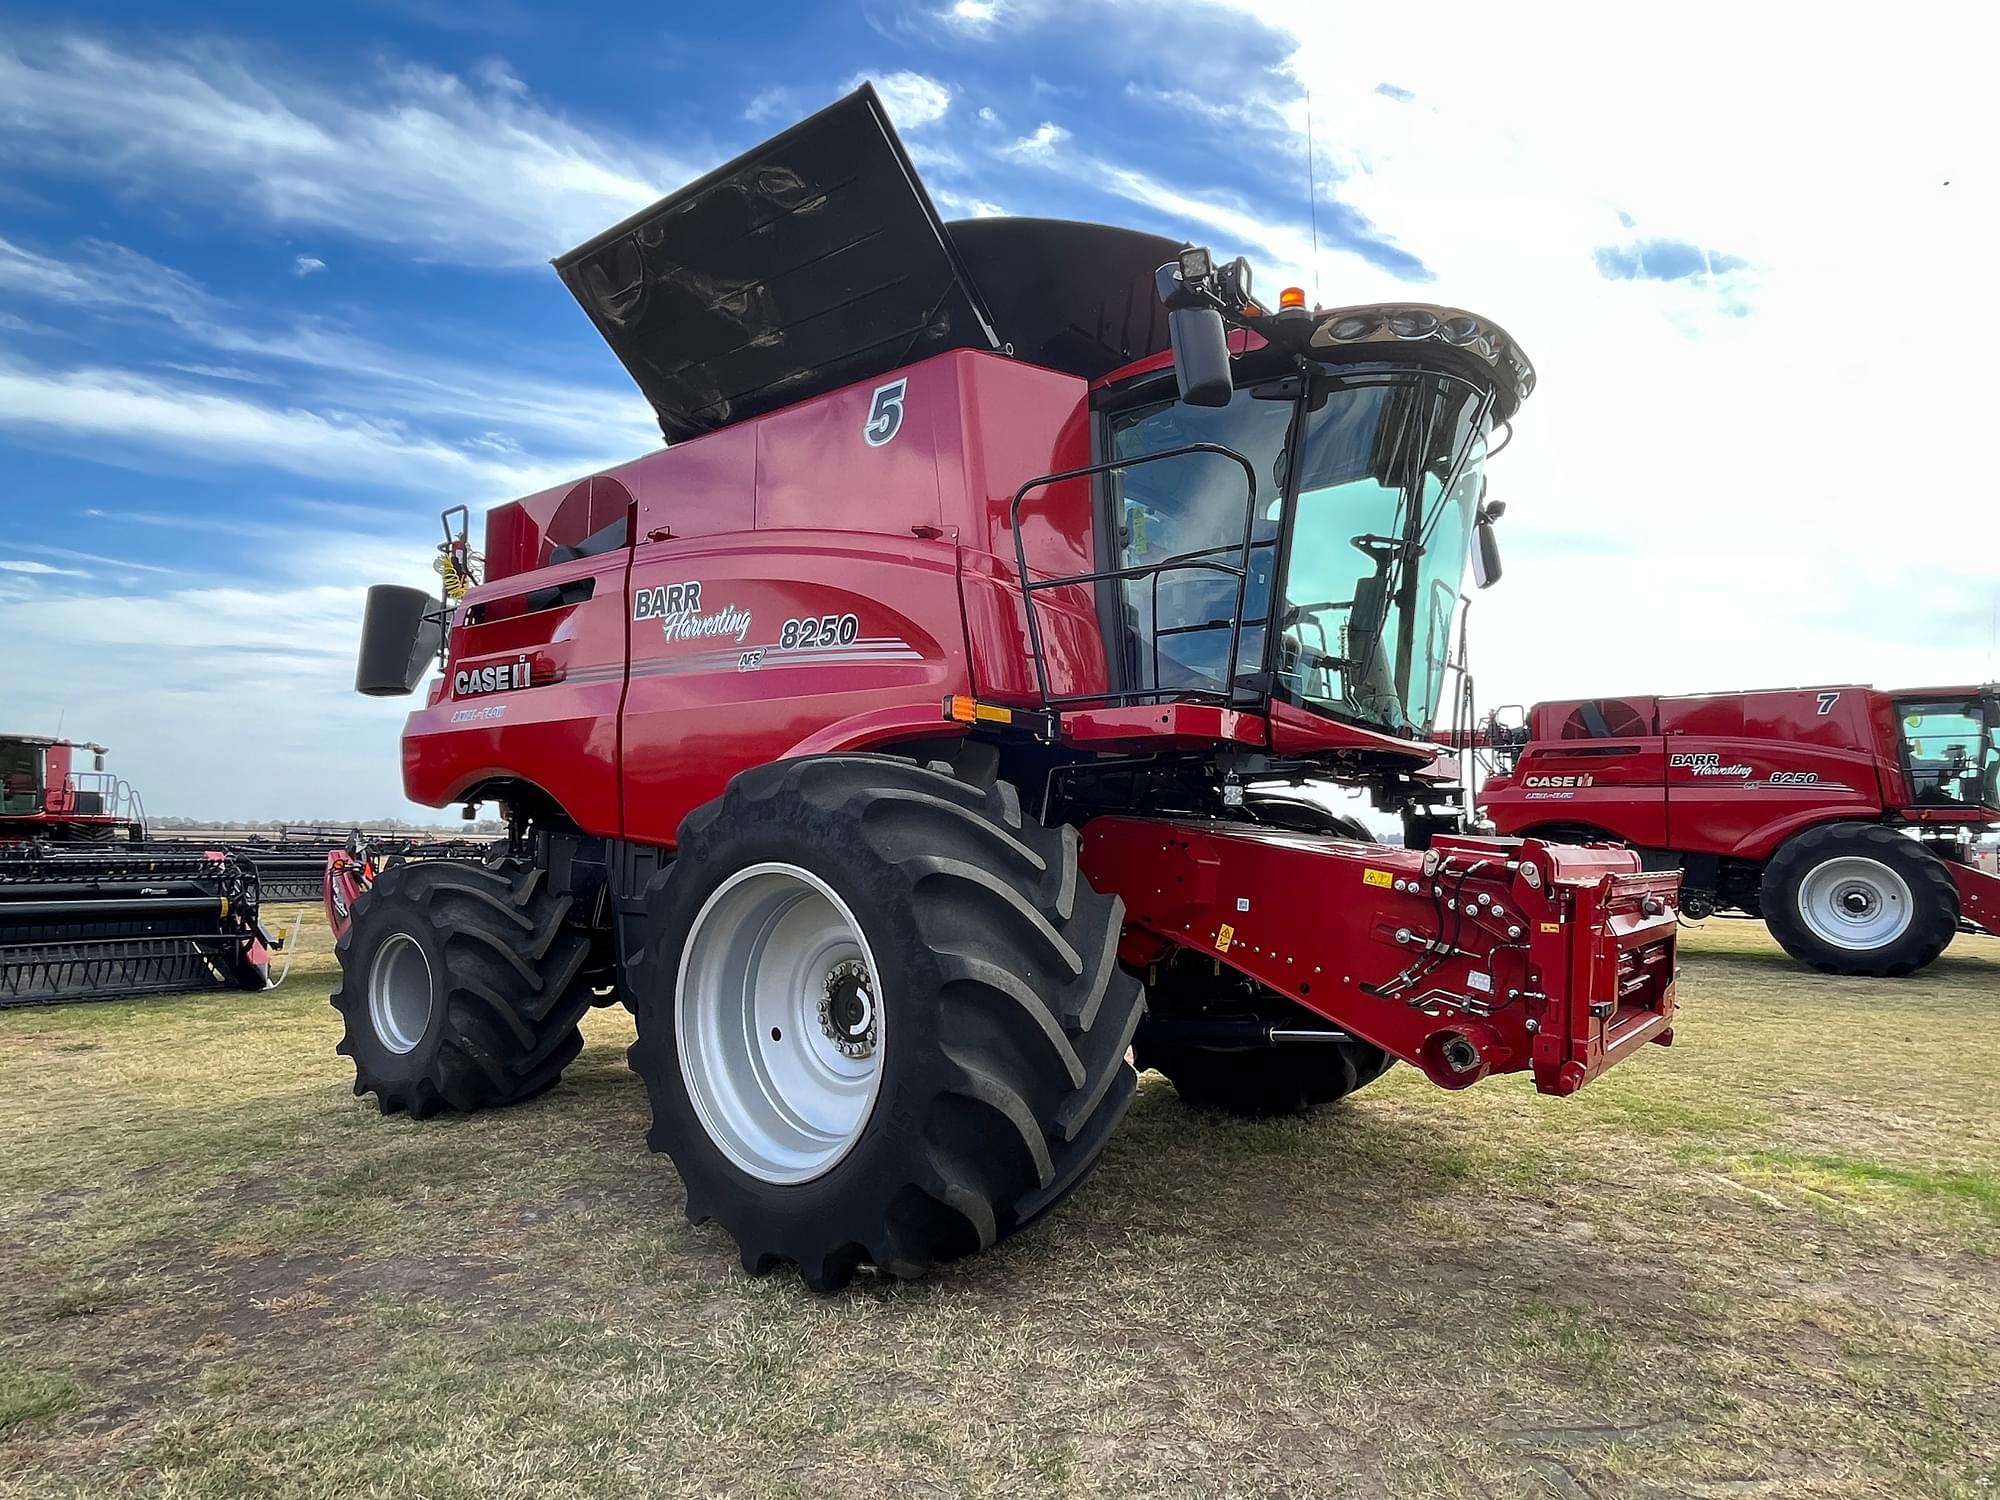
column 461, row 987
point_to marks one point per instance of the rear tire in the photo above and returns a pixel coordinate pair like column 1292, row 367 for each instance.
column 1287, row 1079
column 461, row 986
column 1859, row 899
column 982, row 1068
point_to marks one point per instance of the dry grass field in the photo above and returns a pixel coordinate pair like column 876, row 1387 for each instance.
column 1765, row 1262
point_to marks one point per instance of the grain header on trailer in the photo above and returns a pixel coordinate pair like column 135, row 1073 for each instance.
column 922, row 730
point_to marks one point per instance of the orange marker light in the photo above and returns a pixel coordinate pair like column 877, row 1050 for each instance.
column 1291, row 296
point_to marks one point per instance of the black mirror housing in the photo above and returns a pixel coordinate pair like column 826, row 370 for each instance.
column 401, row 631
column 1201, row 355
column 1486, row 568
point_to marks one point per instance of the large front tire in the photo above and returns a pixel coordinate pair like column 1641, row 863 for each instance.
column 1859, row 899
column 880, row 1016
column 461, row 986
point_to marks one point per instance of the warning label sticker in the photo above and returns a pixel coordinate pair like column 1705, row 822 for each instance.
column 1224, row 936
column 1377, row 877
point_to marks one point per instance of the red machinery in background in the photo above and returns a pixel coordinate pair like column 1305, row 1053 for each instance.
column 91, row 909
column 1844, row 816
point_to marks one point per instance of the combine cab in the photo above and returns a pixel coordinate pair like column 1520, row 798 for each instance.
column 47, row 797
column 921, row 734
column 1845, row 817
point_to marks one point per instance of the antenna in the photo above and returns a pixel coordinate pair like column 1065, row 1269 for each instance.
column 1312, row 193
column 60, row 713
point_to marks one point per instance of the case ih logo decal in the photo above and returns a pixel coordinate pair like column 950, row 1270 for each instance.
column 677, row 606
column 1560, row 781
column 498, row 679
column 1707, row 763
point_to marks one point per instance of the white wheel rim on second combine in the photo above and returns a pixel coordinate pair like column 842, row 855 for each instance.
column 784, row 1090
column 1855, row 903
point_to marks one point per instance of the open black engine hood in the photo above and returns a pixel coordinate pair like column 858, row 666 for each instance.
column 816, row 260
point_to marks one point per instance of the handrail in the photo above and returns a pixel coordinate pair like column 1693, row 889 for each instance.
column 1239, row 570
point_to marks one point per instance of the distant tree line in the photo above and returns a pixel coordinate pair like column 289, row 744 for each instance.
column 483, row 827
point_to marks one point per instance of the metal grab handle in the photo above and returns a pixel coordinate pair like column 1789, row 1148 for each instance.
column 1240, row 570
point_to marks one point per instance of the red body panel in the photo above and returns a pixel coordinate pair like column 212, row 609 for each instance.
column 1731, row 774
column 1978, row 895
column 1331, row 924
column 632, row 715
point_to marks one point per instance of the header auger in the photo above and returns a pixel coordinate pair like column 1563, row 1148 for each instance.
column 932, row 727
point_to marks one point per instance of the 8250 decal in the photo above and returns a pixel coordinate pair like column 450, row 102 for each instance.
column 826, row 630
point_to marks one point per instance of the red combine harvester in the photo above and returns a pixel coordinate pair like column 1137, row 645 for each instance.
column 920, row 732
column 45, row 796
column 1843, row 816
column 90, row 910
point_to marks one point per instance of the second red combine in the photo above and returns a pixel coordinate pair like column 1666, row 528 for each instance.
column 923, row 731
column 1846, row 817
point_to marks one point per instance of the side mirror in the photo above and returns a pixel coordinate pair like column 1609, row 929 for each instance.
column 1201, row 355
column 1485, row 554
column 1195, row 330
column 401, row 631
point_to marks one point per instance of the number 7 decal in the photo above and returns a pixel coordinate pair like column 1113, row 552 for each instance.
column 1826, row 702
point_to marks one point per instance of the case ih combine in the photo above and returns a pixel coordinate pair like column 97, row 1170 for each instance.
column 913, row 737
column 1843, row 816
column 89, row 910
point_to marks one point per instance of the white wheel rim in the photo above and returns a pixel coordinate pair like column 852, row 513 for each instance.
column 1855, row 903
column 400, row 992
column 780, row 1023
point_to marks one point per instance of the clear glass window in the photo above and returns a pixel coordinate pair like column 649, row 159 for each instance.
column 1952, row 750
column 1388, row 488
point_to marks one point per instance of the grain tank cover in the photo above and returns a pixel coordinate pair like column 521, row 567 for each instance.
column 811, row 262
column 1079, row 298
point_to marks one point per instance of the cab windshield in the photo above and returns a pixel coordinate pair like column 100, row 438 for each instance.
column 1952, row 749
column 1388, row 476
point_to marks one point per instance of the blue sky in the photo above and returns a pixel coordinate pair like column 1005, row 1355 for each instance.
column 274, row 290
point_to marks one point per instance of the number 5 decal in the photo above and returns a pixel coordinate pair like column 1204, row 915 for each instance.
column 1826, row 702
column 885, row 413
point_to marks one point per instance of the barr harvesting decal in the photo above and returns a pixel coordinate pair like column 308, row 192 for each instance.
column 678, row 608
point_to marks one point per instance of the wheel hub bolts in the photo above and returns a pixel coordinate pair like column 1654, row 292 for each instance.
column 847, row 1009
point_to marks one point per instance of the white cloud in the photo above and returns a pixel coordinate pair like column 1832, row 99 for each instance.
column 586, row 426
column 974, row 16
column 968, row 207
column 1041, row 144
column 22, row 565
column 467, row 169
column 912, row 99
column 96, row 407
column 1715, row 475
column 271, row 655
column 305, row 265
column 94, row 557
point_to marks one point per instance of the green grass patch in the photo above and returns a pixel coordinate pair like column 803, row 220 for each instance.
column 1861, row 1178
column 29, row 1393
